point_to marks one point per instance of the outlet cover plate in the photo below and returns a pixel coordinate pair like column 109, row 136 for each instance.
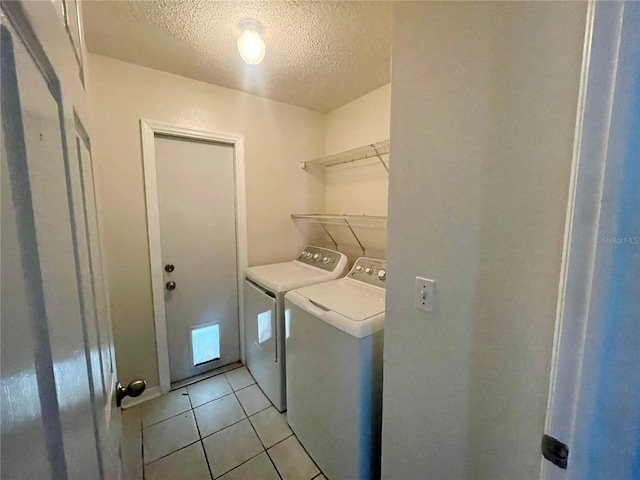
column 425, row 294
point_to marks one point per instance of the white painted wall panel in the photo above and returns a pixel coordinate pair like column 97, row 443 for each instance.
column 483, row 110
column 361, row 187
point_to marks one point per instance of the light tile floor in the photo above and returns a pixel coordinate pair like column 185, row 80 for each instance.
column 221, row 427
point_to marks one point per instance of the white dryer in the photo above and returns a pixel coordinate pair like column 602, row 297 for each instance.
column 334, row 370
column 264, row 315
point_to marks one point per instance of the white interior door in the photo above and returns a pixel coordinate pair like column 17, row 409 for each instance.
column 594, row 392
column 197, row 211
column 56, row 372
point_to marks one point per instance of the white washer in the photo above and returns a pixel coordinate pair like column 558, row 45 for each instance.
column 264, row 316
column 334, row 370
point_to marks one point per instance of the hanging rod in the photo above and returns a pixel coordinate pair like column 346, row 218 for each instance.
column 361, row 153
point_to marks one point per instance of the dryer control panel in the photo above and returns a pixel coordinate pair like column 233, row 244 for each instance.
column 320, row 257
column 369, row 270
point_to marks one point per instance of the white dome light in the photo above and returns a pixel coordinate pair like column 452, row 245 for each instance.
column 250, row 45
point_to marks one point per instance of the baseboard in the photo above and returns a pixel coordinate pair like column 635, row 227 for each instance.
column 148, row 394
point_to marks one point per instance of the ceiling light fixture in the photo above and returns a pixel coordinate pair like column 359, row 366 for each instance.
column 250, row 45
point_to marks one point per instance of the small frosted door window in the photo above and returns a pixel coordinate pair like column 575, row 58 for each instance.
column 264, row 326
column 205, row 344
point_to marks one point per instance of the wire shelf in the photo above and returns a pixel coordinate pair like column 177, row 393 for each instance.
column 361, row 153
column 354, row 221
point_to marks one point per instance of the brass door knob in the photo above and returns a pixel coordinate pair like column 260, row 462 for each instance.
column 134, row 389
column 171, row 285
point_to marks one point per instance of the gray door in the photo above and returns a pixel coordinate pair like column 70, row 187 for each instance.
column 196, row 197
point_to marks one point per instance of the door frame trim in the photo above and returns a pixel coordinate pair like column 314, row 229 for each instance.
column 148, row 130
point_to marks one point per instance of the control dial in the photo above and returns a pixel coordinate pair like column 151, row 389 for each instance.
column 382, row 274
column 368, row 270
column 359, row 268
column 316, row 257
column 325, row 260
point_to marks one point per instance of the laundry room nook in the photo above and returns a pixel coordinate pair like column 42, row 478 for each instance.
column 320, row 240
column 316, row 189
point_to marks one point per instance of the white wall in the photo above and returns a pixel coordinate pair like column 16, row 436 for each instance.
column 484, row 101
column 361, row 187
column 277, row 138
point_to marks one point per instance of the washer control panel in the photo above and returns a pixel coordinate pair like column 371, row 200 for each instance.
column 369, row 270
column 320, row 257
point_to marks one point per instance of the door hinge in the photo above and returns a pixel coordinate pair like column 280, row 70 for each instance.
column 555, row 451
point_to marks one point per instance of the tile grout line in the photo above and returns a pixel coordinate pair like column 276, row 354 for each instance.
column 168, row 418
column 195, row 420
column 201, row 438
column 175, row 451
column 240, row 464
column 288, row 437
column 213, row 375
column 274, row 464
column 185, row 446
column 246, row 417
column 247, row 386
column 280, row 441
column 310, row 457
column 256, row 432
column 224, row 428
column 191, row 408
column 260, row 411
column 142, row 444
column 143, row 426
column 211, row 401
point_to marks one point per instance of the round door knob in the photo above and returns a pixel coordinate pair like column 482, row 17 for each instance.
column 169, row 267
column 171, row 285
column 134, row 389
column 382, row 274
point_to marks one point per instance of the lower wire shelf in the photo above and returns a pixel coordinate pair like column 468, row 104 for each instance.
column 348, row 221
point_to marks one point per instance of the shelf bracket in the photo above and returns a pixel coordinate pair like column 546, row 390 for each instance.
column 364, row 252
column 380, row 158
column 335, row 244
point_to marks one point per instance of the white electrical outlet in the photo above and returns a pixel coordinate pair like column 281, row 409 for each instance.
column 425, row 294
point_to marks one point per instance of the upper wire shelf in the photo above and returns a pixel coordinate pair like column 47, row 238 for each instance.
column 361, row 153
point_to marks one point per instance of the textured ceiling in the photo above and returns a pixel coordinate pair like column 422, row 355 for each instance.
column 319, row 54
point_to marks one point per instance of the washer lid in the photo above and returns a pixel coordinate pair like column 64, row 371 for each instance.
column 282, row 277
column 354, row 300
